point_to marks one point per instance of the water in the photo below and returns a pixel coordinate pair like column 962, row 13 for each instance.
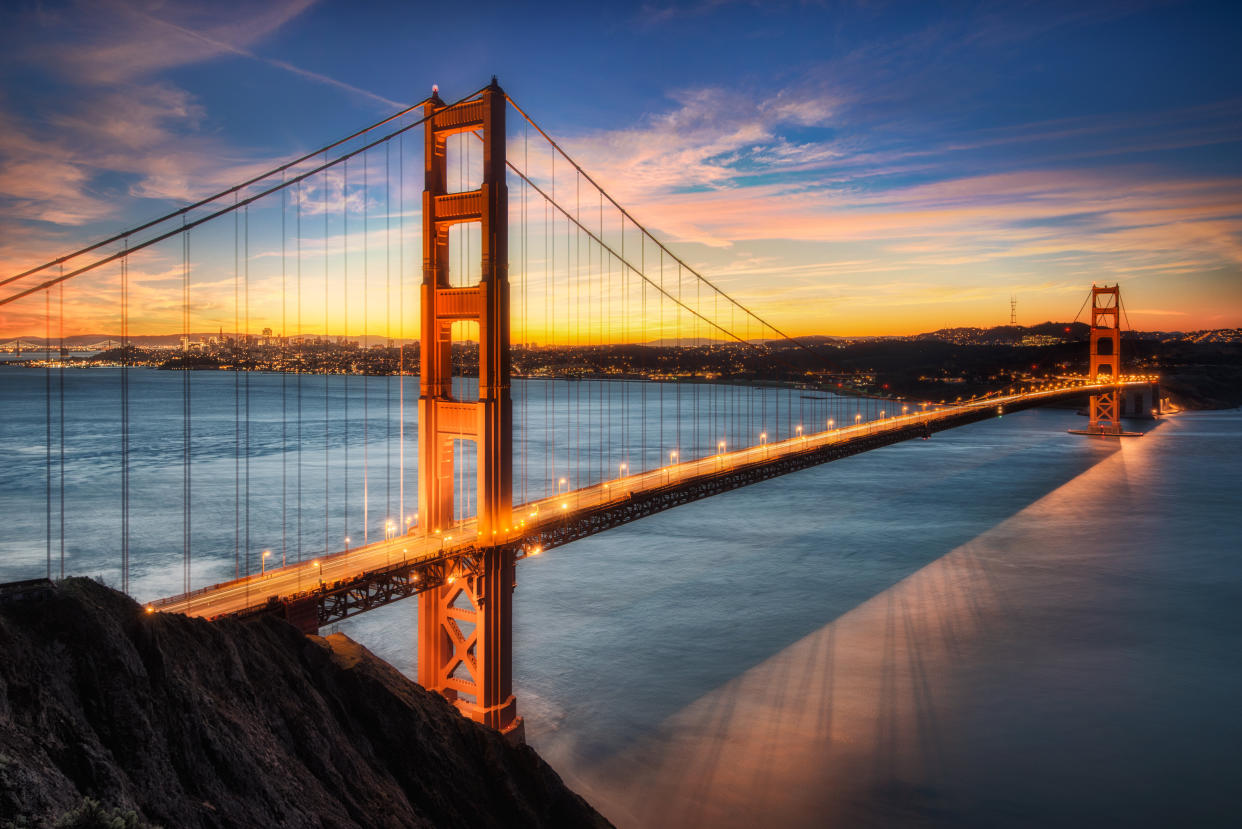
column 306, row 465
column 1004, row 625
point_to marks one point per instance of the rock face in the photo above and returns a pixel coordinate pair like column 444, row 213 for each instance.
column 192, row 723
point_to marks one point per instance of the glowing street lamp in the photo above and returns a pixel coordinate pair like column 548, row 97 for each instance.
column 562, row 483
column 672, row 460
column 763, row 438
column 622, row 469
column 263, row 562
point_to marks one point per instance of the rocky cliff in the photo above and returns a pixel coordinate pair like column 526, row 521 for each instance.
column 179, row 722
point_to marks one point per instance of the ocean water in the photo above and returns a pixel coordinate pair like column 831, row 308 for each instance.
column 1004, row 625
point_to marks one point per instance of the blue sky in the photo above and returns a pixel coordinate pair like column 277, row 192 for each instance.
column 856, row 167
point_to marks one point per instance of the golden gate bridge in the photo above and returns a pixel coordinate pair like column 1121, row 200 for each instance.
column 529, row 268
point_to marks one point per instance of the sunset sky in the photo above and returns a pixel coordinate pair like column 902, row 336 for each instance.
column 845, row 168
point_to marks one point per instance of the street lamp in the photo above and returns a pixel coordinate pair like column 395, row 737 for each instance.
column 672, row 459
column 562, row 483
column 830, row 422
column 621, row 470
column 263, row 562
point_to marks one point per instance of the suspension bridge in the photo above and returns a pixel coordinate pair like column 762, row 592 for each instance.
column 574, row 374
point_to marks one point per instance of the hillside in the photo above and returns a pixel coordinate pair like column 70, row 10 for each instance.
column 188, row 723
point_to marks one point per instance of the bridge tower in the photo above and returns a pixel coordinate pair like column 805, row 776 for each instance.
column 465, row 627
column 1105, row 412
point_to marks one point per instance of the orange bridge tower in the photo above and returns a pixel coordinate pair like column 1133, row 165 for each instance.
column 465, row 626
column 1105, row 367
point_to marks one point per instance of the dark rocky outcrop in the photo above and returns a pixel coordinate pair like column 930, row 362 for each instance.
column 191, row 723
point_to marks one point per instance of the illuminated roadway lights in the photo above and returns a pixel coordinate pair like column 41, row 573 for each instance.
column 263, row 563
column 672, row 461
column 562, row 483
column 720, row 449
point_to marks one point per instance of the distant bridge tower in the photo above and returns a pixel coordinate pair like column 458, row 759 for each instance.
column 465, row 626
column 1105, row 412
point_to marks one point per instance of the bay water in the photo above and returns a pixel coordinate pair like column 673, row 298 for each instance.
column 1003, row 625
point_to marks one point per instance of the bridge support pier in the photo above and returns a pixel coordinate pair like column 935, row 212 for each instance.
column 465, row 625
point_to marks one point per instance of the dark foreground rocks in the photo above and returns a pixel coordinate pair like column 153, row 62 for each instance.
column 106, row 710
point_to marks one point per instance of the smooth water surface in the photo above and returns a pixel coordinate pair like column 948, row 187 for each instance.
column 1003, row 625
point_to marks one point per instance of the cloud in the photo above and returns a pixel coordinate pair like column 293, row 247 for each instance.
column 106, row 42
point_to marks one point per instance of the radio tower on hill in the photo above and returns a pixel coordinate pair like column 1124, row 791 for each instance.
column 1013, row 309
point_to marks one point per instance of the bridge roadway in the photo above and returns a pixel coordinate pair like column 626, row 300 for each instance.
column 333, row 587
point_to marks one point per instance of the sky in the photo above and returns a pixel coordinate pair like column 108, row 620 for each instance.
column 842, row 167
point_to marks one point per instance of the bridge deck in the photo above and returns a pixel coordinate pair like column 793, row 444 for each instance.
column 333, row 587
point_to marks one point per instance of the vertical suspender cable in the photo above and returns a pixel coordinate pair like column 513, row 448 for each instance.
column 298, row 380
column 327, row 392
column 283, row 341
column 248, row 363
column 345, row 338
column 236, row 357
column 403, row 521
column 366, row 352
column 60, row 370
column 47, row 401
column 125, row 414
column 186, row 476
column 387, row 335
